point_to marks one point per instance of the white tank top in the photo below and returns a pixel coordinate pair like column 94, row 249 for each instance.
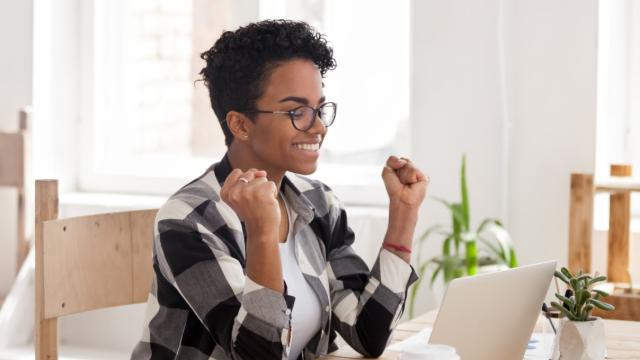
column 306, row 315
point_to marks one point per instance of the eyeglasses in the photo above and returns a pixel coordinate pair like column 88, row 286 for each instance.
column 303, row 117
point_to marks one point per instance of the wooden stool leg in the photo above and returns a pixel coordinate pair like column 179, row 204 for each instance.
column 46, row 329
column 619, row 223
column 581, row 222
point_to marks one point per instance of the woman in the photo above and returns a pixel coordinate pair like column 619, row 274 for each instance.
column 252, row 260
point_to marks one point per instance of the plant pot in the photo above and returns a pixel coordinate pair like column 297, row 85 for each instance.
column 580, row 340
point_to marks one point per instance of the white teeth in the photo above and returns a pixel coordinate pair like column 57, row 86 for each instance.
column 309, row 147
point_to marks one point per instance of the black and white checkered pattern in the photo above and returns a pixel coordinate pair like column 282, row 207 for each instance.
column 202, row 305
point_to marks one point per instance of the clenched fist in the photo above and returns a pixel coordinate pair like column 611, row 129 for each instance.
column 405, row 184
column 254, row 198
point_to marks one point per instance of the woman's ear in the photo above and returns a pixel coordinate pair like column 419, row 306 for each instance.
column 239, row 124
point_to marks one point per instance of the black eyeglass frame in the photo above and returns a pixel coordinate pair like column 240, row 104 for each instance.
column 291, row 113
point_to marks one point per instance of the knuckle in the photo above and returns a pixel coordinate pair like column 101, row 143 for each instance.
column 234, row 196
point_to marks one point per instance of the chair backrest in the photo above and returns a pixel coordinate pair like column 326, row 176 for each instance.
column 13, row 173
column 86, row 263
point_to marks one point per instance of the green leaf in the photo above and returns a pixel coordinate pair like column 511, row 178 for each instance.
column 513, row 261
column 567, row 273
column 584, row 296
column 602, row 305
column 425, row 235
column 579, row 302
column 601, row 293
column 488, row 221
column 464, row 194
column 562, row 277
column 457, row 228
column 569, row 301
column 458, row 273
column 581, row 298
column 430, row 230
column 587, row 312
column 435, row 275
column 446, row 245
column 584, row 277
column 597, row 279
column 503, row 239
column 574, row 285
column 471, row 253
column 456, row 212
column 453, row 267
column 564, row 311
column 493, row 249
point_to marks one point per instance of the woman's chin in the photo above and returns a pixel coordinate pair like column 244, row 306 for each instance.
column 305, row 169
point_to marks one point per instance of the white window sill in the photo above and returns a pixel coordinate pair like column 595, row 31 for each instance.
column 85, row 203
column 368, row 222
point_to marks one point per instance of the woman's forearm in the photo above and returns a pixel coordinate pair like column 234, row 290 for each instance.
column 263, row 259
column 401, row 228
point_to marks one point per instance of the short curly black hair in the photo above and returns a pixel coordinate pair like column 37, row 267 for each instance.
column 240, row 61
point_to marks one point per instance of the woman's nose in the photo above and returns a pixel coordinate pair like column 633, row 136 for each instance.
column 318, row 126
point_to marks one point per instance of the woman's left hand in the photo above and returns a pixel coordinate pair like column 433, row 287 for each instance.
column 405, row 184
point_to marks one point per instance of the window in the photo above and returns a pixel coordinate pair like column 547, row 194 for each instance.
column 149, row 128
column 618, row 128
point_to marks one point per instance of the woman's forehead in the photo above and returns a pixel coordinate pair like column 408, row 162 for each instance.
column 295, row 78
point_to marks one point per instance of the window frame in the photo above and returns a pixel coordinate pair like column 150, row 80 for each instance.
column 354, row 184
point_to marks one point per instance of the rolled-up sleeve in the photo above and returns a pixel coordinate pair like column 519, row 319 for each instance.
column 366, row 304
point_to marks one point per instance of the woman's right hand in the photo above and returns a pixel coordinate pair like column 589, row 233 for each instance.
column 254, row 199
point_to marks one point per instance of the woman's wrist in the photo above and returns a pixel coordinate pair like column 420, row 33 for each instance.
column 400, row 230
column 396, row 247
column 402, row 224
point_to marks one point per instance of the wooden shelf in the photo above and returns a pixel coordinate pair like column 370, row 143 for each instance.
column 616, row 184
column 619, row 185
column 627, row 307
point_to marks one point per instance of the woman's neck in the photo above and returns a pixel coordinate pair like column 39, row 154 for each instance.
column 243, row 159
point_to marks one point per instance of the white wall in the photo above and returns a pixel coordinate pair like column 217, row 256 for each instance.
column 520, row 156
column 456, row 106
column 16, row 20
column 552, row 72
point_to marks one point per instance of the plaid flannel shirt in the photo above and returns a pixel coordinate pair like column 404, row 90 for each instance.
column 202, row 305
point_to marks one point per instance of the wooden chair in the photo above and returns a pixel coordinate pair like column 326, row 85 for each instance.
column 620, row 186
column 86, row 263
column 13, row 173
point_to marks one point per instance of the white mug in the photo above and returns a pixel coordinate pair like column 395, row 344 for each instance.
column 424, row 351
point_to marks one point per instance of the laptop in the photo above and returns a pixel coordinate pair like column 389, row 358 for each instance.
column 492, row 316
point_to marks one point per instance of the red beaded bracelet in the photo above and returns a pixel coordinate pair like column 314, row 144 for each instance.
column 395, row 247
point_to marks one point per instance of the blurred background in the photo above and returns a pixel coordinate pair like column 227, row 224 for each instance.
column 530, row 91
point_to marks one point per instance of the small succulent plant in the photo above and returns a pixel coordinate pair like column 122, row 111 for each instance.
column 581, row 298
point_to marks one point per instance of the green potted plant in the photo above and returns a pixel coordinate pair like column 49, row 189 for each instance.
column 580, row 335
column 465, row 251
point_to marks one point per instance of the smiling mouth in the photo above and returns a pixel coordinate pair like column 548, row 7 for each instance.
column 308, row 147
